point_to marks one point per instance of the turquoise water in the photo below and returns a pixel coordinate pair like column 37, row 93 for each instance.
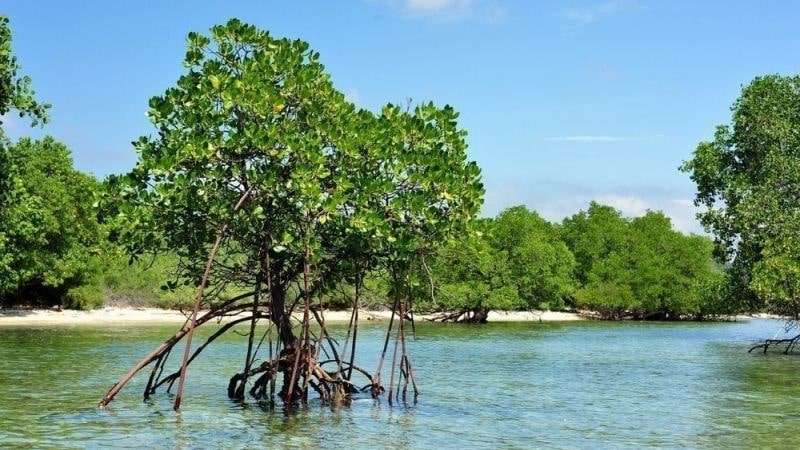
column 559, row 385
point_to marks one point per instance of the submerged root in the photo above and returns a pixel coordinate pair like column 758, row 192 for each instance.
column 298, row 366
column 332, row 386
column 293, row 365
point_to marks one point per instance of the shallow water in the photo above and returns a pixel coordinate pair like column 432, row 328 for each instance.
column 561, row 385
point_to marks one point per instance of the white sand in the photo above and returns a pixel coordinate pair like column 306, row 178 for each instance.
column 127, row 316
column 533, row 316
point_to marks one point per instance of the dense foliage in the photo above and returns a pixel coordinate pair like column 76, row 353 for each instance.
column 515, row 261
column 596, row 260
column 641, row 267
column 748, row 181
column 469, row 275
column 49, row 227
column 541, row 264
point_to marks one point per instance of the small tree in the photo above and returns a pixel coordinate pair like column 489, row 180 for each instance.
column 262, row 174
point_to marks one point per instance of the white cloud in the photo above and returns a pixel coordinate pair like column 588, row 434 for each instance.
column 601, row 138
column 555, row 202
column 488, row 10
column 16, row 127
column 684, row 215
column 587, row 138
column 353, row 95
column 437, row 5
column 11, row 123
column 628, row 205
column 585, row 15
column 682, row 212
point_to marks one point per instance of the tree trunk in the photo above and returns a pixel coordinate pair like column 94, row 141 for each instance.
column 279, row 317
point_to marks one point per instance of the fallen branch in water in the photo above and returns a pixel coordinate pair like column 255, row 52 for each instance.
column 790, row 343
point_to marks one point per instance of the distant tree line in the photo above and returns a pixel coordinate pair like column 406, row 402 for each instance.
column 595, row 260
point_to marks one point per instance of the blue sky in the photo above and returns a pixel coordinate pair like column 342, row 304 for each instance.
column 564, row 102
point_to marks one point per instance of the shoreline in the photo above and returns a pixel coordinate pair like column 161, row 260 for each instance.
column 154, row 316
column 122, row 316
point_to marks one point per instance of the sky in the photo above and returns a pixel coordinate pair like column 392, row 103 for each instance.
column 564, row 101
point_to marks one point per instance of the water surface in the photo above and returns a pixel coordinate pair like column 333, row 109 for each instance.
column 560, row 385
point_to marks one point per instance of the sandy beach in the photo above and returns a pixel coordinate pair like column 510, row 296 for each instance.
column 129, row 316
